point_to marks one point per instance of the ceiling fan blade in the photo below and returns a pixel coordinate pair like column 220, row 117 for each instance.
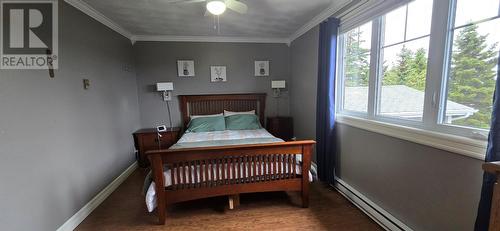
column 184, row 1
column 237, row 6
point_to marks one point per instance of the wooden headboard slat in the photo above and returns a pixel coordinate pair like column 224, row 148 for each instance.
column 213, row 104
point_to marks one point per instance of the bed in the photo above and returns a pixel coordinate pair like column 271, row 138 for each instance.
column 226, row 163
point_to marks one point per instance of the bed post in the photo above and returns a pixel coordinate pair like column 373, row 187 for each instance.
column 157, row 167
column 306, row 164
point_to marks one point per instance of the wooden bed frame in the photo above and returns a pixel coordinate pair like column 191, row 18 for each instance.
column 238, row 159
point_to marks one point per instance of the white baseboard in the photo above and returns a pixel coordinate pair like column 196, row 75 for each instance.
column 76, row 219
column 375, row 212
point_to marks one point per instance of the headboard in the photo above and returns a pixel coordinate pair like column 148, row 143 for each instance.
column 214, row 104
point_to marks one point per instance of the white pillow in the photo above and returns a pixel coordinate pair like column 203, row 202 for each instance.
column 230, row 113
column 200, row 116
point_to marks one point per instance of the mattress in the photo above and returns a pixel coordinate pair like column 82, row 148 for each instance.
column 216, row 138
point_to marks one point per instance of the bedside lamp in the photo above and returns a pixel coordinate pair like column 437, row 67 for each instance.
column 277, row 85
column 166, row 89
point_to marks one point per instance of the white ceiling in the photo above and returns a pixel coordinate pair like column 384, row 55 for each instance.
column 266, row 19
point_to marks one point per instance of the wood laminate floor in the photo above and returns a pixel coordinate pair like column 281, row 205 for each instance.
column 328, row 210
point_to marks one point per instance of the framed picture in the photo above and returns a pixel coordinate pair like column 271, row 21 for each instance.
column 218, row 73
column 261, row 68
column 185, row 68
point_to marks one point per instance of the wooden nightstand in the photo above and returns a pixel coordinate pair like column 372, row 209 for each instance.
column 281, row 127
column 147, row 139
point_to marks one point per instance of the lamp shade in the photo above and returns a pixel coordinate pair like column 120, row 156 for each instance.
column 167, row 86
column 278, row 84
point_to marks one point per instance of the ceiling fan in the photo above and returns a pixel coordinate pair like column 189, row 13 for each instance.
column 217, row 7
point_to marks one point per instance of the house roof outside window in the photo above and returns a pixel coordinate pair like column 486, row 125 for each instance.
column 392, row 105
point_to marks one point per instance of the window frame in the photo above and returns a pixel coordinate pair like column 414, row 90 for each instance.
column 438, row 67
column 475, row 133
column 374, row 86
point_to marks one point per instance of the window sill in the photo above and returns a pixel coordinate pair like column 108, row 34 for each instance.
column 456, row 144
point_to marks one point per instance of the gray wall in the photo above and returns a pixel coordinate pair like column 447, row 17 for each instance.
column 424, row 187
column 304, row 72
column 157, row 62
column 60, row 144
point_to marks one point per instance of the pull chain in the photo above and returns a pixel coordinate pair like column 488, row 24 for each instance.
column 217, row 23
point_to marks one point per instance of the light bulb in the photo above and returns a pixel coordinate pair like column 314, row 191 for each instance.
column 216, row 7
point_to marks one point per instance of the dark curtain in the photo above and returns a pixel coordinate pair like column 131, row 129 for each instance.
column 492, row 154
column 325, row 113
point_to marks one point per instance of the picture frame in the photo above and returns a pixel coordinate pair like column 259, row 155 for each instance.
column 218, row 74
column 262, row 68
column 185, row 68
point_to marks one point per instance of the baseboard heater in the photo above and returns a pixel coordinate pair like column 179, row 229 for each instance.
column 375, row 212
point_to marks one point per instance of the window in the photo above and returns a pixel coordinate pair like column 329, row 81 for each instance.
column 473, row 64
column 356, row 66
column 404, row 60
column 390, row 76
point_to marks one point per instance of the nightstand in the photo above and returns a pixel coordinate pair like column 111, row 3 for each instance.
column 147, row 139
column 281, row 127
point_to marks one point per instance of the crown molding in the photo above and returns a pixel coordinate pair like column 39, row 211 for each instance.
column 328, row 12
column 93, row 13
column 222, row 39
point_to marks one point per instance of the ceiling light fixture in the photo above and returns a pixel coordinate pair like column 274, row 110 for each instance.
column 216, row 7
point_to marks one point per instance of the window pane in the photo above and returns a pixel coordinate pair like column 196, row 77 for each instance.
column 472, row 75
column 403, row 83
column 404, row 61
column 395, row 26
column 419, row 19
column 357, row 68
column 474, row 10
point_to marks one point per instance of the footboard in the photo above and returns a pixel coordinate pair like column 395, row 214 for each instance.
column 195, row 173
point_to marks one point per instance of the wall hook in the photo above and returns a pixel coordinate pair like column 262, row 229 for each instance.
column 49, row 63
